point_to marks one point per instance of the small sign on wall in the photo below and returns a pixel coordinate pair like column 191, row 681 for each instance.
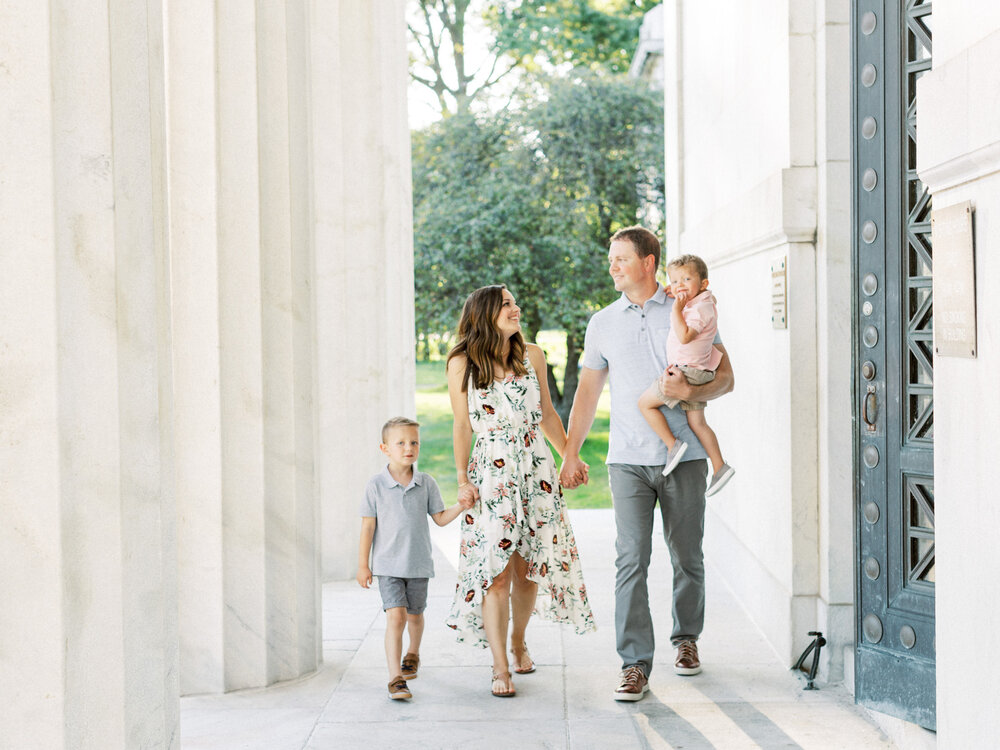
column 954, row 281
column 779, row 295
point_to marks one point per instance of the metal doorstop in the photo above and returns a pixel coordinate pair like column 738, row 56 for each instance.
column 817, row 643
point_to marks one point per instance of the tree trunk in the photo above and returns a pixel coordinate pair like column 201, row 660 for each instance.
column 562, row 399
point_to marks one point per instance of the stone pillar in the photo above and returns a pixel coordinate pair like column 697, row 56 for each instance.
column 242, row 314
column 88, row 622
column 835, row 499
column 364, row 253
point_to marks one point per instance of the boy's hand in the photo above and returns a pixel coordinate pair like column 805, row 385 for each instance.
column 680, row 297
column 467, row 495
column 365, row 577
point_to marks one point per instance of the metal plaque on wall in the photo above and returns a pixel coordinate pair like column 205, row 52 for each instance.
column 779, row 294
column 954, row 281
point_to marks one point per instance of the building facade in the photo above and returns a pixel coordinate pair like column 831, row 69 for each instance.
column 815, row 157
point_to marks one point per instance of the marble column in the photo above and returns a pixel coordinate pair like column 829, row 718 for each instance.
column 242, row 316
column 88, row 623
column 362, row 221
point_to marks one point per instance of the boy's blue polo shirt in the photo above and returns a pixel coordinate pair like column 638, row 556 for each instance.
column 402, row 544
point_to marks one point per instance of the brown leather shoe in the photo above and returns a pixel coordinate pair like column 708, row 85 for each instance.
column 633, row 685
column 687, row 662
column 409, row 666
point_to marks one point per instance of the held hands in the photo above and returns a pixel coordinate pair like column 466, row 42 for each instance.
column 364, row 576
column 574, row 473
column 467, row 495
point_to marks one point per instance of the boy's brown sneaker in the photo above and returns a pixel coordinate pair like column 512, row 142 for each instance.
column 410, row 665
column 398, row 689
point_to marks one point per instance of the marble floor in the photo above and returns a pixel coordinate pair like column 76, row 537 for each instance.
column 745, row 697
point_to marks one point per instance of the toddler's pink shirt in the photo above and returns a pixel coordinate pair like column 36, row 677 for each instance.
column 700, row 315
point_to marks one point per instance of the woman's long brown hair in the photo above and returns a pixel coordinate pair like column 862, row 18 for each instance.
column 481, row 342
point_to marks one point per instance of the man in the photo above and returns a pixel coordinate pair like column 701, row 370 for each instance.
column 626, row 342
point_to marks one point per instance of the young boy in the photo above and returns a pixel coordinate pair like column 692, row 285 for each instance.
column 693, row 323
column 394, row 517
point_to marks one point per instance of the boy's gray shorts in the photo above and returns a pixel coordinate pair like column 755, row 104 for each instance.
column 403, row 592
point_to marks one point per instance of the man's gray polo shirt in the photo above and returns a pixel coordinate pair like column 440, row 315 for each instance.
column 402, row 544
column 631, row 342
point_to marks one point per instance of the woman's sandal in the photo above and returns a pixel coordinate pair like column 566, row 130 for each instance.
column 519, row 660
column 500, row 679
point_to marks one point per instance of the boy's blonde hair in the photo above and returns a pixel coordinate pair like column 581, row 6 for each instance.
column 397, row 422
column 690, row 260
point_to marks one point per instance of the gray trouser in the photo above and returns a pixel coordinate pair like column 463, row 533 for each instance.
column 635, row 491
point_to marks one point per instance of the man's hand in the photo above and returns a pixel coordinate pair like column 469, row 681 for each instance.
column 365, row 576
column 574, row 472
column 673, row 384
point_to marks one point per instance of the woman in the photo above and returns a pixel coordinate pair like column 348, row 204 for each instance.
column 517, row 542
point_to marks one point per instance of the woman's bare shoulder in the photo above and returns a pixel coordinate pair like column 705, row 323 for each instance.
column 534, row 351
column 456, row 364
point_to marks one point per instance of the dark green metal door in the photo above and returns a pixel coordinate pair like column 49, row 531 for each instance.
column 893, row 365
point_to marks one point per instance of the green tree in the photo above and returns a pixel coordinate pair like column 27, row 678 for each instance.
column 598, row 145
column 476, row 216
column 581, row 33
column 529, row 198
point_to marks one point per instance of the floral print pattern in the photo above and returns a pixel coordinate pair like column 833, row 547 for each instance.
column 520, row 509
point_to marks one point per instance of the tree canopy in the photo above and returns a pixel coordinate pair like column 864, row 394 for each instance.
column 529, row 197
column 581, row 33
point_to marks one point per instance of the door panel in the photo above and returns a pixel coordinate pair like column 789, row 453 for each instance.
column 893, row 364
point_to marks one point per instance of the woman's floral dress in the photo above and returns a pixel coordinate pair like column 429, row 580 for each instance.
column 520, row 509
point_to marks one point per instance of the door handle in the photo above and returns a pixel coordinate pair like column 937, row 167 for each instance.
column 870, row 403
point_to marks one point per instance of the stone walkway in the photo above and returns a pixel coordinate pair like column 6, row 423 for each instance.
column 745, row 698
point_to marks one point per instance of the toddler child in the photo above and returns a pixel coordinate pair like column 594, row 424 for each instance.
column 693, row 324
column 394, row 532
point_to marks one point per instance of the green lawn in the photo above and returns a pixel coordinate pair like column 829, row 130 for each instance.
column 437, row 459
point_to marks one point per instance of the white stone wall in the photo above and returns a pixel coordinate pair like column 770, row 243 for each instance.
column 206, row 295
column 958, row 131
column 757, row 108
